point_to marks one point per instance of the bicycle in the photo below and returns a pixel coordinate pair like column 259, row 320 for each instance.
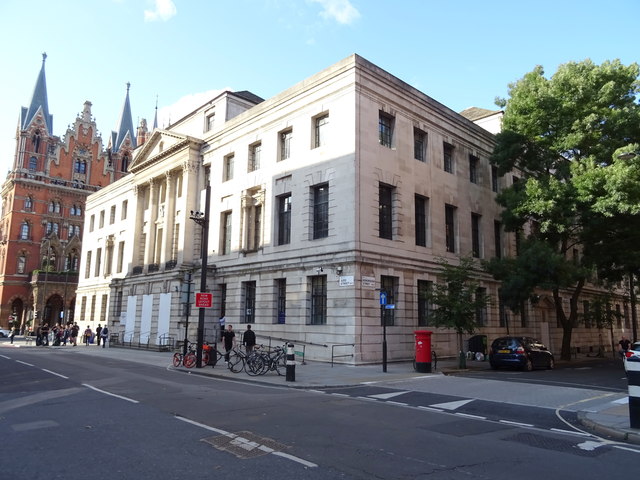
column 260, row 362
column 190, row 359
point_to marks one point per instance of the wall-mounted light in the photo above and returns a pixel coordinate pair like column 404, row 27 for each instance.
column 319, row 270
column 339, row 270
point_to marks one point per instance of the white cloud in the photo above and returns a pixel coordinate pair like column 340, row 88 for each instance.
column 185, row 105
column 165, row 9
column 340, row 10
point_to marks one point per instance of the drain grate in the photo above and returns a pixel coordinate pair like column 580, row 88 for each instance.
column 245, row 444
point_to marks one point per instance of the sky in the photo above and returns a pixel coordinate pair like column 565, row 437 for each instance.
column 180, row 53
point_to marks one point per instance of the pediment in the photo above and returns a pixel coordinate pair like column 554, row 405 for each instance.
column 161, row 145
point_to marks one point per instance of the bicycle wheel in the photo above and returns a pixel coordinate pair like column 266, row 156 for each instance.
column 281, row 364
column 205, row 358
column 189, row 360
column 236, row 362
column 256, row 364
column 177, row 359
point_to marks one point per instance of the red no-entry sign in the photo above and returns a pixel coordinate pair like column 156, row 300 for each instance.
column 204, row 300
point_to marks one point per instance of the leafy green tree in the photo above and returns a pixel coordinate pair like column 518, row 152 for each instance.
column 456, row 298
column 560, row 136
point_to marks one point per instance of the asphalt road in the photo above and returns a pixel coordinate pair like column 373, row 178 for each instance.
column 70, row 416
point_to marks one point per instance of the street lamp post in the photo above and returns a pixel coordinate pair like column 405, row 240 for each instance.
column 202, row 219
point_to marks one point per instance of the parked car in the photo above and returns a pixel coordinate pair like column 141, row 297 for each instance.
column 4, row 333
column 525, row 353
column 633, row 354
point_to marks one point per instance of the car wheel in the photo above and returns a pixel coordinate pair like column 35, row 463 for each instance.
column 551, row 364
column 528, row 366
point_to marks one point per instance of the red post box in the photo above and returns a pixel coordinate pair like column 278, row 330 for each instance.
column 423, row 351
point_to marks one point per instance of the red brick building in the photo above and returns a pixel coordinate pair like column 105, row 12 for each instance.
column 43, row 200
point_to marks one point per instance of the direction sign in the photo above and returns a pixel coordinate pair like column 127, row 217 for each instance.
column 204, row 300
column 383, row 298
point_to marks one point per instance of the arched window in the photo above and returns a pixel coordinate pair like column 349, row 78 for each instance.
column 21, row 267
column 33, row 164
column 80, row 166
column 24, row 230
column 56, row 207
column 71, row 262
column 125, row 163
column 49, row 261
column 36, row 141
column 51, row 206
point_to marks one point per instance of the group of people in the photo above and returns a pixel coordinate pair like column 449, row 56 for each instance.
column 228, row 337
column 61, row 334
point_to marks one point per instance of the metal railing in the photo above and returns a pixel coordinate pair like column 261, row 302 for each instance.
column 333, row 355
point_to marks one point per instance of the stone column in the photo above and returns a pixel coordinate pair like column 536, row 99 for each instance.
column 150, row 244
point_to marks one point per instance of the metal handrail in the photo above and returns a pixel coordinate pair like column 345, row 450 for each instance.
column 340, row 356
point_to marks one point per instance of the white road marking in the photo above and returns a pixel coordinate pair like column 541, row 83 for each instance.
column 386, row 396
column 25, row 363
column 398, row 403
column 54, row 373
column 431, row 409
column 572, row 432
column 518, row 424
column 590, row 445
column 467, row 415
column 452, row 405
column 243, row 441
column 110, row 394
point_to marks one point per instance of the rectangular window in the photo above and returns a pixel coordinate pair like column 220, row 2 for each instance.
column 389, row 285
column 385, row 129
column 503, row 315
column 223, row 299
column 175, row 245
column 320, row 128
column 103, row 308
column 424, row 287
column 494, row 179
column 285, row 144
column 281, row 300
column 101, row 224
column 284, row 219
column 98, row 262
column 83, row 308
column 254, row 157
column 227, row 168
column 120, row 257
column 419, row 145
column 92, row 222
column 123, row 213
column 481, row 312
column 118, row 305
column 421, row 220
column 318, row 314
column 448, row 157
column 449, row 224
column 226, row 233
column 320, row 211
column 92, row 313
column 108, row 261
column 497, row 238
column 112, row 215
column 586, row 313
column 475, row 235
column 210, row 120
column 87, row 268
column 249, row 291
column 385, row 211
column 473, row 168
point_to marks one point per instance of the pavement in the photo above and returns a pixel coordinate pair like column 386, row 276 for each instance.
column 608, row 417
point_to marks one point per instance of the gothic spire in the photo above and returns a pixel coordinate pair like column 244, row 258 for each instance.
column 38, row 101
column 155, row 117
column 125, row 126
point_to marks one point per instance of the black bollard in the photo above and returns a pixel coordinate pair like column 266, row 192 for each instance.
column 633, row 377
column 291, row 364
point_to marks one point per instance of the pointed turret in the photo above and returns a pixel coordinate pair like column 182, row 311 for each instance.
column 125, row 127
column 38, row 102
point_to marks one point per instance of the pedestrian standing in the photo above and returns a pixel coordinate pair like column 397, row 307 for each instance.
column 87, row 335
column 98, row 336
column 75, row 329
column 229, row 339
column 104, row 334
column 624, row 343
column 12, row 334
column 249, row 339
column 44, row 335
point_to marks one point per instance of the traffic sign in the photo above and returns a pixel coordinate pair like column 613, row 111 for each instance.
column 204, row 300
column 383, row 298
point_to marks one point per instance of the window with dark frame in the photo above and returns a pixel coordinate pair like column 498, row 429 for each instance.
column 227, row 168
column 447, row 157
column 385, row 129
column 226, row 233
column 249, row 301
column 475, row 235
column 285, row 144
column 254, row 157
column 320, row 211
column 424, row 308
column 318, row 313
column 497, row 238
column 473, row 168
column 421, row 220
column 385, row 211
column 494, row 179
column 481, row 311
column 449, row 223
column 419, row 145
column 281, row 301
column 284, row 219
column 320, row 130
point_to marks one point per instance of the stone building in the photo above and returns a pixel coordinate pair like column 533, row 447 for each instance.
column 349, row 184
column 43, row 205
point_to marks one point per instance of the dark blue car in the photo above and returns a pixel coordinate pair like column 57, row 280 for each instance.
column 525, row 353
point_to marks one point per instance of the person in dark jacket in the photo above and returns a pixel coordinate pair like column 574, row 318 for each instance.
column 249, row 339
column 229, row 339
